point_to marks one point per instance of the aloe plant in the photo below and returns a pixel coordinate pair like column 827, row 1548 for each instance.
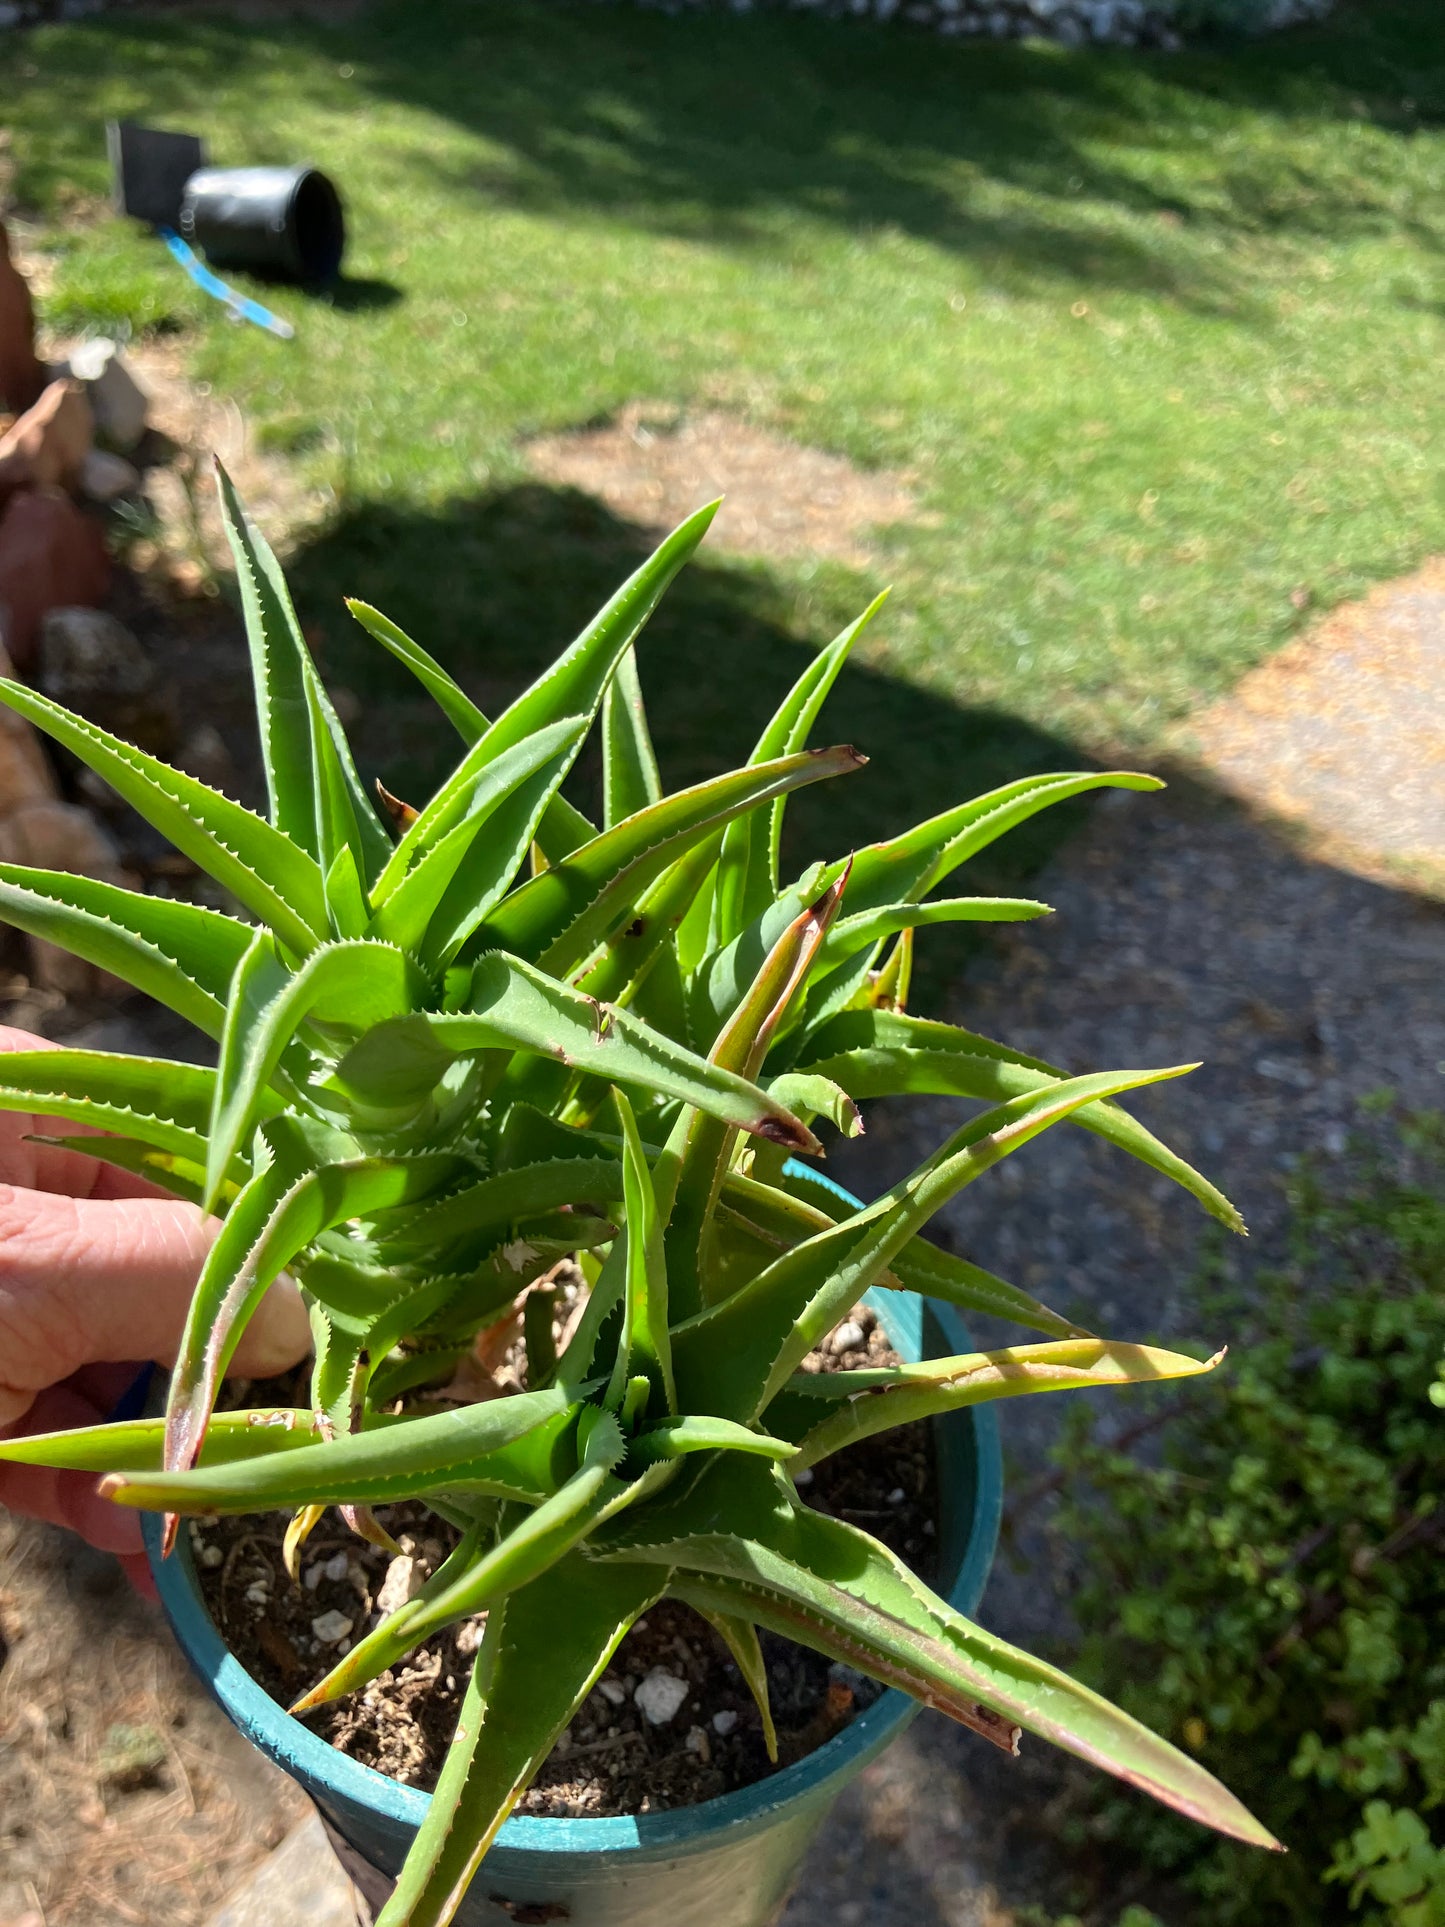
column 460, row 1042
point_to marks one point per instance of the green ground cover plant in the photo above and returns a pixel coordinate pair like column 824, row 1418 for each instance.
column 1273, row 1599
column 1157, row 336
column 460, row 1042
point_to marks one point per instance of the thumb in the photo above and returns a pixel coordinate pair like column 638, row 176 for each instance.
column 86, row 1280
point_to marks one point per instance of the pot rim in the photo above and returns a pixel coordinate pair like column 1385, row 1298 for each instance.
column 305, row 1755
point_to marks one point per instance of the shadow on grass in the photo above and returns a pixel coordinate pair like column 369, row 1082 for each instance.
column 1017, row 155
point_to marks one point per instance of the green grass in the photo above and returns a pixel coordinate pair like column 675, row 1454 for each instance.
column 1159, row 336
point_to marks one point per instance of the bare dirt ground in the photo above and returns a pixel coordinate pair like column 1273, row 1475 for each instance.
column 125, row 1796
column 654, row 465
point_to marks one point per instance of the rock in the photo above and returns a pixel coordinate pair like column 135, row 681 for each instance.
column 402, row 1582
column 50, row 554
column 25, row 773
column 94, row 665
column 469, row 1635
column 331, row 1627
column 723, row 1723
column 848, row 1337
column 204, row 755
column 105, row 477
column 117, row 399
column 211, row 1557
column 46, row 447
column 613, row 1691
column 660, row 1696
column 22, row 376
column 59, row 836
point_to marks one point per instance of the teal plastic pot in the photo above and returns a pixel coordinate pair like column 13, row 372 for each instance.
column 726, row 1863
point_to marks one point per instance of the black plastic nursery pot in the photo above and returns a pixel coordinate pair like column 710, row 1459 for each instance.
column 727, row 1862
column 275, row 221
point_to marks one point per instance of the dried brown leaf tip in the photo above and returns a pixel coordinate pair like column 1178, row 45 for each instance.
column 401, row 815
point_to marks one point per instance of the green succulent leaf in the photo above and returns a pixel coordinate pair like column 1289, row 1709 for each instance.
column 498, row 1207
column 871, row 927
column 276, row 880
column 736, row 1356
column 785, row 1218
column 866, row 1402
column 512, row 1006
column 532, row 1547
column 520, row 1448
column 878, row 1053
column 644, row 1350
column 543, row 1651
column 182, row 1177
column 349, row 984
column 454, row 702
column 742, row 1045
column 676, row 1438
column 809, row 1097
column 136, row 1445
column 747, row 876
column 907, row 867
column 560, row 917
column 270, row 1221
column 317, row 797
column 162, row 1103
column 179, row 953
column 630, row 781
column 461, row 874
column 563, row 827
column 832, row 1587
column 740, row 1636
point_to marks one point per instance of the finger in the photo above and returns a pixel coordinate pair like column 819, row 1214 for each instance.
column 85, row 1281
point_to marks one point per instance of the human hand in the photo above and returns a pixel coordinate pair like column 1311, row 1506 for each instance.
column 96, row 1272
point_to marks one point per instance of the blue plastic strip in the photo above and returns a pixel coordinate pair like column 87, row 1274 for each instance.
column 241, row 305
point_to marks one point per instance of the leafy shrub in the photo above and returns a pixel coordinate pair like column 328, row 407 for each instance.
column 1273, row 1599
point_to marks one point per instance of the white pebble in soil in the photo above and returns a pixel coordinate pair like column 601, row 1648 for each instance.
column 312, row 1577
column 848, row 1337
column 403, row 1582
column 612, row 1691
column 211, row 1557
column 469, row 1635
column 723, row 1723
column 259, row 1594
column 331, row 1627
column 897, row 1496
column 661, row 1696
column 335, row 1567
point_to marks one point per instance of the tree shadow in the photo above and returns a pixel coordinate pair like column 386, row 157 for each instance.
column 720, row 128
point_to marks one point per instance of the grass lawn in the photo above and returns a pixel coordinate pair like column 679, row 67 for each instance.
column 1160, row 337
